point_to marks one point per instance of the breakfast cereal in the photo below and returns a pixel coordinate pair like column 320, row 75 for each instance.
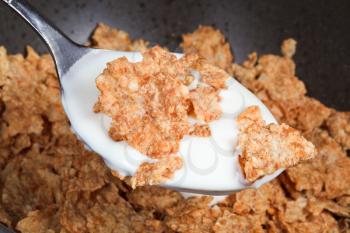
column 267, row 148
column 50, row 183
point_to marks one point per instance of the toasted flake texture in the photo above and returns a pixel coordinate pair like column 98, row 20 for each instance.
column 328, row 174
column 106, row 37
column 266, row 148
column 154, row 198
column 257, row 201
column 192, row 215
column 104, row 211
column 288, row 47
column 294, row 210
column 339, row 127
column 200, row 130
column 233, row 223
column 315, row 224
column 317, row 206
column 209, row 43
column 157, row 172
column 272, row 78
column 205, row 101
column 212, row 75
column 45, row 221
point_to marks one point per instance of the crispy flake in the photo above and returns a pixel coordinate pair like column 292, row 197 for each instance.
column 339, row 128
column 288, row 47
column 200, row 130
column 233, row 223
column 209, row 43
column 205, row 101
column 266, row 148
column 157, row 172
column 106, row 37
column 213, row 75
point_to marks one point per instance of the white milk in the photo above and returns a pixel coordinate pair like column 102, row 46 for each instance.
column 210, row 164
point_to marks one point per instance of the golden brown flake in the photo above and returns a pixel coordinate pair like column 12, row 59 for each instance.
column 106, row 37
column 212, row 75
column 46, row 221
column 317, row 206
column 288, row 47
column 4, row 65
column 326, row 175
column 233, row 223
column 251, row 61
column 104, row 211
column 316, row 224
column 277, row 77
column 200, row 130
column 187, row 80
column 339, row 127
column 192, row 215
column 267, row 148
column 295, row 210
column 257, row 201
column 311, row 114
column 205, row 102
column 157, row 172
column 154, row 198
column 209, row 43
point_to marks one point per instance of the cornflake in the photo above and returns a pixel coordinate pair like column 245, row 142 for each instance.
column 191, row 215
column 267, row 148
column 154, row 198
column 213, row 75
column 200, row 130
column 209, row 43
column 205, row 102
column 84, row 211
column 106, row 37
column 41, row 221
column 157, row 172
column 233, row 223
column 325, row 176
column 288, row 47
column 339, row 127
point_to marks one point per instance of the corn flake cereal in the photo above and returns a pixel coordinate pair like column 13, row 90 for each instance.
column 266, row 148
column 209, row 43
column 157, row 172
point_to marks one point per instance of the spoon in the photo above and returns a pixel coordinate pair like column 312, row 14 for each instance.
column 210, row 164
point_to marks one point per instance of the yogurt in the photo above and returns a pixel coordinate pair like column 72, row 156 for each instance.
column 210, row 164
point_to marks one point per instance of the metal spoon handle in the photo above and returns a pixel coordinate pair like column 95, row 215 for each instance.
column 64, row 50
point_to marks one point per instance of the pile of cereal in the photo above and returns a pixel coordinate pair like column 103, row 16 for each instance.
column 50, row 183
